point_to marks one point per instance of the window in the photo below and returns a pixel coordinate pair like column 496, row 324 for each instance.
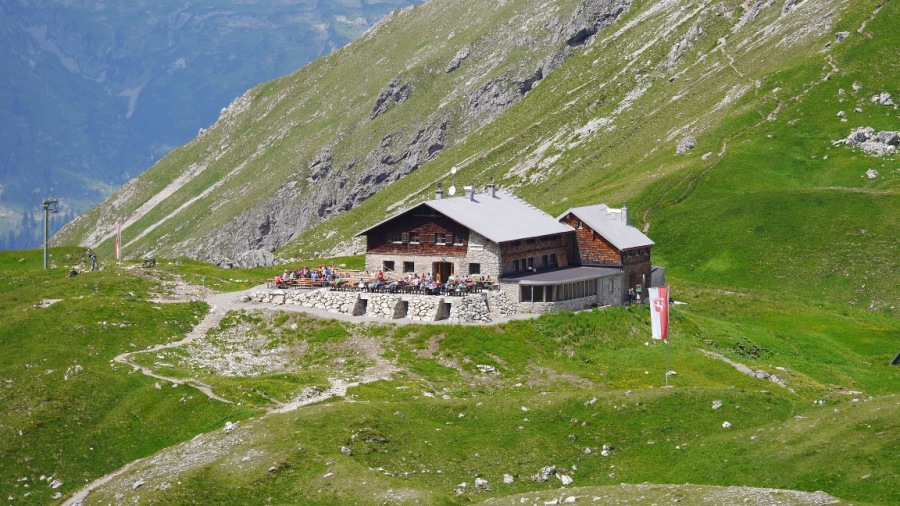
column 397, row 237
column 578, row 224
column 553, row 259
column 529, row 263
column 440, row 238
column 545, row 261
column 409, row 267
column 525, row 294
column 474, row 268
column 458, row 239
column 388, row 266
column 539, row 294
column 515, row 265
column 414, row 237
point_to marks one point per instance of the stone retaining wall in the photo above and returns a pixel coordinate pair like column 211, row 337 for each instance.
column 472, row 308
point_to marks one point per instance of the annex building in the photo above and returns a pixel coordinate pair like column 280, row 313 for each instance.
column 588, row 256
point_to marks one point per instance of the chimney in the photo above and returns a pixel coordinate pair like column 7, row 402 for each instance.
column 625, row 213
column 439, row 194
column 470, row 192
column 492, row 189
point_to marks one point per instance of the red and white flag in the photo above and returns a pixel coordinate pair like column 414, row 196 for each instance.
column 118, row 237
column 659, row 312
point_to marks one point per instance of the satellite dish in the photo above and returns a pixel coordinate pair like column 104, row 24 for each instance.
column 451, row 191
column 453, row 171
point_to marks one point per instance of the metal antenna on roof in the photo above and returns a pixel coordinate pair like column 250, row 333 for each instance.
column 452, row 189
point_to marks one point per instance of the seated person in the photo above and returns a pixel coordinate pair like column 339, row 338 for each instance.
column 461, row 287
column 72, row 273
column 393, row 286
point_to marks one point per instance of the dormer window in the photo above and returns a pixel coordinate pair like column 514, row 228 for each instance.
column 578, row 224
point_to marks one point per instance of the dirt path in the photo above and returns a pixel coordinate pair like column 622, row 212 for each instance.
column 220, row 305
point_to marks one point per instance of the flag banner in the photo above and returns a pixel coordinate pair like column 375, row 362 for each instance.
column 659, row 312
column 118, row 237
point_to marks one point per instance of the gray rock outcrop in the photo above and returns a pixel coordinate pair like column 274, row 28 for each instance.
column 457, row 60
column 396, row 92
column 590, row 17
column 874, row 143
column 325, row 192
column 686, row 144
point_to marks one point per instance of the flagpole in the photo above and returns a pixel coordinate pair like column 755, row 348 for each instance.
column 667, row 362
column 667, row 336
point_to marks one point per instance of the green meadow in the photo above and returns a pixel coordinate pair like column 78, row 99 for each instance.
column 562, row 386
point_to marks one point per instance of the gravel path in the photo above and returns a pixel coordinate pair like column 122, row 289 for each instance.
column 220, row 304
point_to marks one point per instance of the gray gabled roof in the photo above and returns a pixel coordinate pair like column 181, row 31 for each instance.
column 501, row 218
column 610, row 224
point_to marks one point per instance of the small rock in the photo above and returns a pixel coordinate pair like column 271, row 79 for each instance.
column 56, row 483
column 839, row 36
column 591, row 402
column 571, row 499
column 565, row 479
column 508, row 479
column 706, row 156
column 230, row 427
column 840, row 114
column 588, row 451
column 328, row 475
column 871, row 173
column 686, row 144
column 726, row 425
column 717, row 404
column 73, row 371
column 482, row 484
column 346, row 451
column 138, row 484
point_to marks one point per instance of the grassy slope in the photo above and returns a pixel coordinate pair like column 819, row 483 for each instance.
column 93, row 423
column 407, row 445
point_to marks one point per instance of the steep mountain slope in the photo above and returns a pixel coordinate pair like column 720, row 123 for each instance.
column 93, row 93
column 301, row 149
column 565, row 103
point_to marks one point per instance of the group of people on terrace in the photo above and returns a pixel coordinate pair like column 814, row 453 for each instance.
column 328, row 277
column 325, row 275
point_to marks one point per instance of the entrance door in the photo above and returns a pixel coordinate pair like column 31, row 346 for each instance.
column 442, row 269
